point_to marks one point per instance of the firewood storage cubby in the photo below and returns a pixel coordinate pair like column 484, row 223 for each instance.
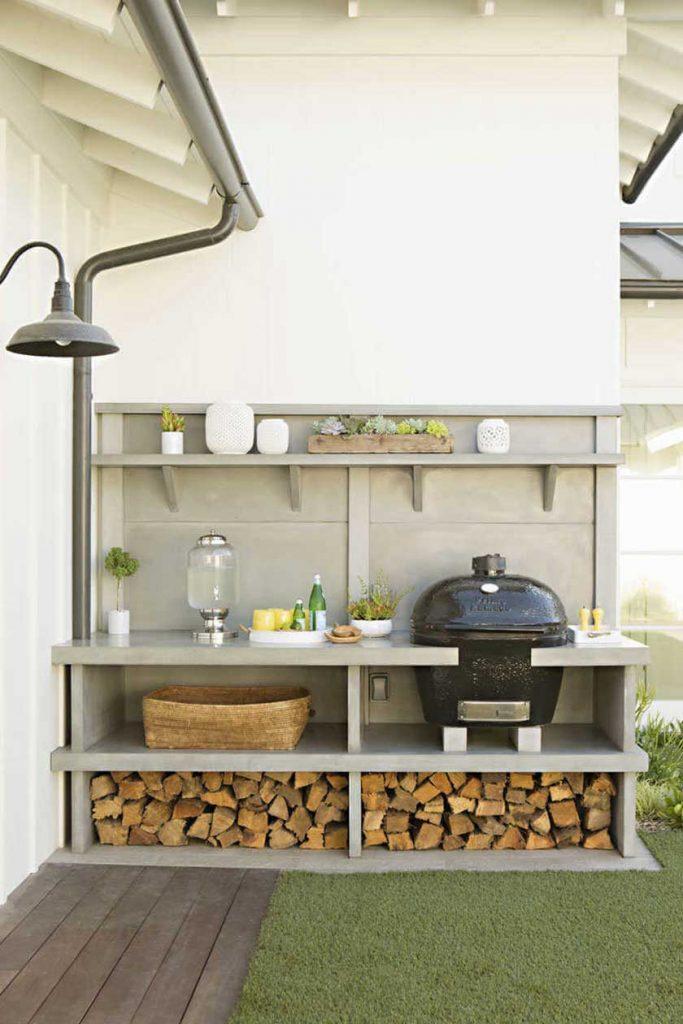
column 354, row 515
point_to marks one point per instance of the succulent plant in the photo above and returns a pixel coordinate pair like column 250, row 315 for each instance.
column 437, row 429
column 411, row 426
column 171, row 422
column 378, row 425
column 332, row 425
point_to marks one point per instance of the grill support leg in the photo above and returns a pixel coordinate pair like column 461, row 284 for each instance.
column 454, row 739
column 527, row 738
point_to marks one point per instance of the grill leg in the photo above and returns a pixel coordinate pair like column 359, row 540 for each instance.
column 527, row 738
column 454, row 739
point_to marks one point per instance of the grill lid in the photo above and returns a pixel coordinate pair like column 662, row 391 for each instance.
column 489, row 604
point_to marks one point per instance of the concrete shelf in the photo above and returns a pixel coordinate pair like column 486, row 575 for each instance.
column 295, row 461
column 323, row 747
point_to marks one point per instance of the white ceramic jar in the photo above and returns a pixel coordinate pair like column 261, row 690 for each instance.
column 272, row 437
column 493, row 437
column 172, row 442
column 229, row 428
column 373, row 627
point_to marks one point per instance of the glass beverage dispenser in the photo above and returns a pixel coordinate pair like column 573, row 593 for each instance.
column 212, row 585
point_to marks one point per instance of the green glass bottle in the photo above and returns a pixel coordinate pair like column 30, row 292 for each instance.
column 317, row 605
column 299, row 620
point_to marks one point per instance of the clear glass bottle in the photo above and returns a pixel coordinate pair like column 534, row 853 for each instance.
column 212, row 582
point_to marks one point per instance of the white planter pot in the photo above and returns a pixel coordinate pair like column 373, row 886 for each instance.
column 272, row 437
column 172, row 442
column 374, row 628
column 229, row 428
column 493, row 437
column 118, row 623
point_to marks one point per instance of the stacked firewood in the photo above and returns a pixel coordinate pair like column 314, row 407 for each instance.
column 252, row 809
column 490, row 810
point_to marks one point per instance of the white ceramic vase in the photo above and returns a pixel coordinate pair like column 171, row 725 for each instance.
column 493, row 437
column 272, row 437
column 172, row 442
column 373, row 627
column 118, row 623
column 229, row 428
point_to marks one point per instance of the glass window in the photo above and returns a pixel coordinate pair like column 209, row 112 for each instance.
column 651, row 537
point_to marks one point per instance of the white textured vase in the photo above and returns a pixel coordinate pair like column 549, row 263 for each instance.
column 229, row 428
column 118, row 623
column 272, row 437
column 172, row 442
column 493, row 437
column 373, row 627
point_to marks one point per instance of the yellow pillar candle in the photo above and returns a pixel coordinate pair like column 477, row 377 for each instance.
column 598, row 616
column 263, row 618
column 283, row 617
column 584, row 619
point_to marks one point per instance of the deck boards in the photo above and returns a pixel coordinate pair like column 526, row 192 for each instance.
column 129, row 945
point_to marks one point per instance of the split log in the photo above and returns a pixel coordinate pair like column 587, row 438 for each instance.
column 396, row 821
column 222, row 819
column 598, row 841
column 400, row 841
column 103, row 785
column 522, row 780
column 460, row 804
column 253, row 840
column 282, row 839
column 200, row 827
column 315, row 839
column 561, row 791
column 156, row 813
column 478, row 841
column 378, row 837
column 336, row 837
column 485, row 808
column 541, row 823
column 564, row 813
column 172, row 786
column 222, row 798
column 299, row 823
column 534, row 841
column 132, row 812
column 230, row 837
column 316, row 794
column 571, row 836
column 112, row 832
column 212, row 781
column 172, row 833
column 428, row 837
column 453, row 843
column 139, row 837
column 107, row 807
column 596, row 819
column 188, row 808
column 132, row 789
column 252, row 821
column 459, row 824
column 511, row 839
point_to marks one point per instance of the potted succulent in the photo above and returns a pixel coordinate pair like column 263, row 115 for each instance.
column 172, row 432
column 379, row 434
column 120, row 565
column 373, row 611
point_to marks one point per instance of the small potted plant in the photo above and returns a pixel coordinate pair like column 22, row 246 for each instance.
column 374, row 610
column 379, row 435
column 120, row 565
column 172, row 432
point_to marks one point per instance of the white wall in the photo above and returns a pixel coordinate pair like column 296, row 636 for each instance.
column 438, row 229
column 35, row 457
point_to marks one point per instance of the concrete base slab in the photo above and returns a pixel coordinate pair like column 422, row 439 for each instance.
column 373, row 861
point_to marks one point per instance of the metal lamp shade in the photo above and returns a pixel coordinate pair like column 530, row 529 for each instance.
column 62, row 334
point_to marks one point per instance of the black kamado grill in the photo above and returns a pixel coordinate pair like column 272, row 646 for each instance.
column 494, row 620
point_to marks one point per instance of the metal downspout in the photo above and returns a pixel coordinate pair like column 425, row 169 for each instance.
column 82, row 392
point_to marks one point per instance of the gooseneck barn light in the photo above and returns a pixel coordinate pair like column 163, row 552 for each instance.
column 61, row 333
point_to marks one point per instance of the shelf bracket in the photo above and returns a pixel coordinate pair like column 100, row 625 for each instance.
column 295, row 488
column 549, row 484
column 417, row 488
column 168, row 474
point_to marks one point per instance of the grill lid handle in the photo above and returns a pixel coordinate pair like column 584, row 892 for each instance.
column 488, row 565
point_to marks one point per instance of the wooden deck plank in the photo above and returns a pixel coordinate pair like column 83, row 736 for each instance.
column 219, row 987
column 37, row 926
column 126, row 986
column 69, row 1000
column 5, row 978
column 170, row 992
column 32, row 985
column 28, row 895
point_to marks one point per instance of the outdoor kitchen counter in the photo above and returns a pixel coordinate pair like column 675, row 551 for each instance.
column 177, row 648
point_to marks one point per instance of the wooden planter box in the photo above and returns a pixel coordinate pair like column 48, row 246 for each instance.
column 379, row 444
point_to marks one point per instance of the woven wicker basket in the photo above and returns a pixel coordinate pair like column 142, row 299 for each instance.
column 226, row 717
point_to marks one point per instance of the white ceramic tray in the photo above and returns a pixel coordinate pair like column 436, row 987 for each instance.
column 288, row 637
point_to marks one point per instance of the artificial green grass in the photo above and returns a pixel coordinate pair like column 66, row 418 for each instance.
column 461, row 948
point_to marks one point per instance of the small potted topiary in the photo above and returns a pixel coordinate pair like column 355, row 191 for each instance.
column 172, row 432
column 374, row 610
column 121, row 566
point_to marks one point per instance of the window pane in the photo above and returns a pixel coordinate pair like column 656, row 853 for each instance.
column 652, row 589
column 664, row 674
column 651, row 515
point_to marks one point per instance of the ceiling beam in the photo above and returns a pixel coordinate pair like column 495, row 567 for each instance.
column 97, row 14
column 354, row 8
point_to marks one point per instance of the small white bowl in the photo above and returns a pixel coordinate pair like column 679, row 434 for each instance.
column 374, row 627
